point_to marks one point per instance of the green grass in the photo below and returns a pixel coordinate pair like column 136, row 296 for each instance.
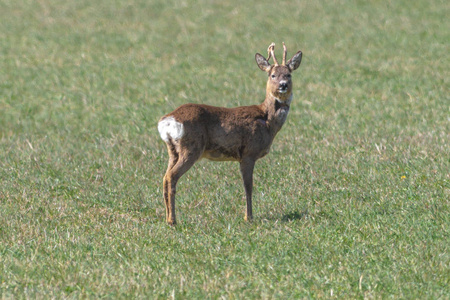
column 352, row 201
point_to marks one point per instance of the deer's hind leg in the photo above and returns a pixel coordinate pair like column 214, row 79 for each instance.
column 173, row 159
column 182, row 161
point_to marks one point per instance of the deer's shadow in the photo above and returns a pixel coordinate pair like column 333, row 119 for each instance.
column 295, row 215
column 290, row 216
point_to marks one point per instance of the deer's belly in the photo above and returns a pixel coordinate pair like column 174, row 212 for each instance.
column 219, row 156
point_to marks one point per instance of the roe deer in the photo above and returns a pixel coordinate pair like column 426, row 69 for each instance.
column 243, row 134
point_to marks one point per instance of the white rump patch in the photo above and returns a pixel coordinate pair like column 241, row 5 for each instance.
column 169, row 128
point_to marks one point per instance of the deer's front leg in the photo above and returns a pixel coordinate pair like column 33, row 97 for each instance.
column 247, row 166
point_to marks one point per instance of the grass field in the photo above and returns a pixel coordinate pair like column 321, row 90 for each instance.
column 352, row 201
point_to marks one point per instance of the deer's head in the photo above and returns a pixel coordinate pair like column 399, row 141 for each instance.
column 279, row 84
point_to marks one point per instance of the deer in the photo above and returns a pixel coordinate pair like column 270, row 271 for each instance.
column 243, row 134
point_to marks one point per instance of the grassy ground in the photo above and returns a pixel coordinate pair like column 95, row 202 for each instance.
column 352, row 201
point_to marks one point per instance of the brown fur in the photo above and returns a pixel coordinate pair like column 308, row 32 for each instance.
column 242, row 134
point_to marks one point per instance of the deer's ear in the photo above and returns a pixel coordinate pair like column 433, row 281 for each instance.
column 295, row 61
column 263, row 64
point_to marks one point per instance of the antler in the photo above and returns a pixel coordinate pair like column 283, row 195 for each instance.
column 270, row 50
column 269, row 54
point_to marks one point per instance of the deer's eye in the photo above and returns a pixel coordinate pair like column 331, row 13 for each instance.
column 273, row 76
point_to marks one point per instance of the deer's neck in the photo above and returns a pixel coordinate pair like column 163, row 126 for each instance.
column 276, row 110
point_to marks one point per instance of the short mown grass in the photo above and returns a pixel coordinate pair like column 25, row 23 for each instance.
column 352, row 201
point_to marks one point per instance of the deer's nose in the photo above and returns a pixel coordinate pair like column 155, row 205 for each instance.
column 283, row 85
